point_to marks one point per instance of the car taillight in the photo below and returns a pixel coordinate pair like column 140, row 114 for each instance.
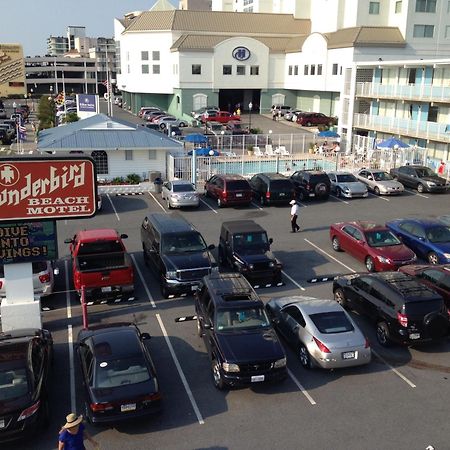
column 267, row 194
column 224, row 194
column 367, row 343
column 322, row 347
column 152, row 397
column 402, row 319
column 308, row 187
column 29, row 411
column 99, row 407
column 44, row 278
column 1, row 284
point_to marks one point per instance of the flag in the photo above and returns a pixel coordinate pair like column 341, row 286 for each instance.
column 60, row 98
column 107, row 85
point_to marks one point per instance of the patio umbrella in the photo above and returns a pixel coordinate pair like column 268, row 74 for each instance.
column 204, row 152
column 391, row 143
column 328, row 134
column 196, row 138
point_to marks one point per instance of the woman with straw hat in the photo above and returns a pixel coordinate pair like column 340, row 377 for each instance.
column 73, row 434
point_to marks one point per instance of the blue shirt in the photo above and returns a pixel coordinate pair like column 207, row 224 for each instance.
column 73, row 441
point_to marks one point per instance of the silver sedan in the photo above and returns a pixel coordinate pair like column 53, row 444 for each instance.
column 180, row 193
column 380, row 182
column 345, row 184
column 321, row 331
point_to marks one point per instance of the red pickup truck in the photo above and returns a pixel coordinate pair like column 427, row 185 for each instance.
column 101, row 264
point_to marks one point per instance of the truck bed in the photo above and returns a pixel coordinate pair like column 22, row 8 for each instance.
column 102, row 262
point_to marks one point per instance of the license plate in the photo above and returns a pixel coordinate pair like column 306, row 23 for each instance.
column 107, row 289
column 2, row 424
column 312, row 194
column 414, row 336
column 238, row 195
column 348, row 355
column 282, row 194
column 194, row 288
column 128, row 407
column 257, row 378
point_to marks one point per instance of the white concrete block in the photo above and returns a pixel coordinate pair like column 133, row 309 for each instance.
column 20, row 315
column 19, row 282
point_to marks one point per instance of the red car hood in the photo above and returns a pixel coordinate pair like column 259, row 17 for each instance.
column 395, row 252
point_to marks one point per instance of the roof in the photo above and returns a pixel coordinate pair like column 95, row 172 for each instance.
column 114, row 342
column 365, row 37
column 365, row 225
column 162, row 5
column 98, row 233
column 243, row 226
column 274, row 176
column 101, row 132
column 170, row 223
column 314, row 305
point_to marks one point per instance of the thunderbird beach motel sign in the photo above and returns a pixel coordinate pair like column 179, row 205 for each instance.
column 47, row 188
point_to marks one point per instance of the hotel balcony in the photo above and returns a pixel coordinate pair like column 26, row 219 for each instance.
column 412, row 92
column 413, row 128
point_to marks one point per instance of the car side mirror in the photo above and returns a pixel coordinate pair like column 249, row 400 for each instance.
column 68, row 241
column 211, row 247
column 348, row 282
column 56, row 271
column 145, row 336
column 370, row 177
column 123, row 236
column 207, row 326
column 270, row 241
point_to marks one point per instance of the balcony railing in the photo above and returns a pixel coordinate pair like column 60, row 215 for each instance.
column 425, row 92
column 406, row 127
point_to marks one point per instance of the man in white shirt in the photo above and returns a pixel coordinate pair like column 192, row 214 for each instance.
column 295, row 210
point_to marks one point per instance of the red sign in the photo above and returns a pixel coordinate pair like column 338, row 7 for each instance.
column 47, row 188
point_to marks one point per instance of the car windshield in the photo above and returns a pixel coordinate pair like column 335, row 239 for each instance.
column 120, row 372
column 438, row 234
column 381, row 176
column 13, row 382
column 281, row 185
column 381, row 238
column 237, row 185
column 332, row 322
column 183, row 188
column 425, row 172
column 420, row 308
column 183, row 242
column 241, row 319
column 346, row 178
column 251, row 242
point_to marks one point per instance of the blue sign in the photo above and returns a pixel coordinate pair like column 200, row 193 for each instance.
column 87, row 103
column 241, row 53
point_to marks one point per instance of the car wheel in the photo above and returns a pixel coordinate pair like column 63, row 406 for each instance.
column 370, row 265
column 219, row 203
column 305, row 358
column 86, row 414
column 182, row 124
column 338, row 192
column 376, row 190
column 383, row 334
column 420, row 188
column 301, row 196
column 199, row 329
column 144, row 254
column 336, row 244
column 217, row 376
column 162, row 126
column 340, row 298
column 164, row 291
column 433, row 258
column 308, row 124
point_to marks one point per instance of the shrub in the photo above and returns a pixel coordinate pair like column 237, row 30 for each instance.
column 118, row 180
column 133, row 178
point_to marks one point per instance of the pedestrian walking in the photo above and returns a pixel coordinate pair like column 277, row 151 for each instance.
column 441, row 169
column 295, row 210
column 73, row 434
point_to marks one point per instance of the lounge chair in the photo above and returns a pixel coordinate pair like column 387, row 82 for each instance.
column 269, row 150
column 257, row 151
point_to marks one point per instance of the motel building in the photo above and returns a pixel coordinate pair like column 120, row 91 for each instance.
column 382, row 67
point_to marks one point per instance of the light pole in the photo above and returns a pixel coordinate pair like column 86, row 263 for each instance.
column 250, row 107
column 396, row 147
column 32, row 100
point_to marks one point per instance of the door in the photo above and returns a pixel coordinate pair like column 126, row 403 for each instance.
column 291, row 320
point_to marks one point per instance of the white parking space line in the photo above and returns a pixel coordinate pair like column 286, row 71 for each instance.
column 113, row 207
column 256, row 206
column 157, row 201
column 210, row 207
column 180, row 371
column 330, row 256
column 406, row 380
column 302, row 389
column 147, row 290
column 301, row 204
column 73, row 403
column 416, row 193
column 292, row 280
column 68, row 306
column 379, row 197
column 340, row 199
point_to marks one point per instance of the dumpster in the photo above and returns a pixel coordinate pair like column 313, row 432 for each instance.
column 157, row 185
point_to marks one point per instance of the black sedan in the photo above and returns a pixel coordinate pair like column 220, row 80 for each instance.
column 119, row 377
column 24, row 367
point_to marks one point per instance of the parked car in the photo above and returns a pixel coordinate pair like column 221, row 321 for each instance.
column 445, row 219
column 175, row 132
column 421, row 178
column 26, row 357
column 272, row 188
column 218, row 116
column 404, row 310
column 5, row 138
column 245, row 248
column 197, row 113
column 3, row 113
column 309, row 119
column 320, row 331
column 311, row 184
column 229, row 190
column 236, row 128
column 428, row 238
column 180, row 193
column 147, row 108
column 241, row 343
column 345, row 184
column 380, row 182
column 215, row 128
column 149, row 115
column 280, row 109
column 165, row 122
column 373, row 244
column 436, row 277
column 151, row 126
column 176, row 252
column 119, row 377
column 291, row 115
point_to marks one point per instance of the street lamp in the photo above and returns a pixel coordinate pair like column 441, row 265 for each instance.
column 221, row 144
column 250, row 107
column 396, row 147
column 269, row 137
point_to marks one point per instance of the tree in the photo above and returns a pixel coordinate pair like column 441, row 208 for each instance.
column 46, row 113
column 71, row 117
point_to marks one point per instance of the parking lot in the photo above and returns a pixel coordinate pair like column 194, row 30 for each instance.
column 400, row 400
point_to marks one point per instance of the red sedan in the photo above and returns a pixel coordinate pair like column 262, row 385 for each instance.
column 219, row 116
column 371, row 243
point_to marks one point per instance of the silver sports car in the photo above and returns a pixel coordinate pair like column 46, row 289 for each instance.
column 321, row 331
column 380, row 182
column 345, row 184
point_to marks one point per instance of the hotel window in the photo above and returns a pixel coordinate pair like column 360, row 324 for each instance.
column 101, row 161
column 290, row 70
column 295, row 70
column 423, row 31
column 448, row 7
column 128, row 155
column 447, row 32
column 428, row 6
column 319, row 69
column 144, row 68
column 306, row 70
column 196, row 69
column 254, row 70
column 128, row 56
column 226, row 70
column 156, row 69
column 374, row 8
column 155, row 56
column 398, row 7
column 334, row 70
column 144, row 56
column 313, row 69
column 240, row 70
column 152, row 154
column 128, row 68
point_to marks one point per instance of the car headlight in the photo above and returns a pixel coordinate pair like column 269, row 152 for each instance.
column 171, row 274
column 229, row 367
column 431, row 183
column 414, row 258
column 271, row 264
column 214, row 269
column 447, row 255
column 345, row 188
column 383, row 188
column 251, row 266
column 280, row 363
column 384, row 260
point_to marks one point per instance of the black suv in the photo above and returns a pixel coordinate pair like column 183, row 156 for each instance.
column 404, row 310
column 177, row 252
column 244, row 247
column 311, row 184
column 24, row 367
column 272, row 188
column 241, row 342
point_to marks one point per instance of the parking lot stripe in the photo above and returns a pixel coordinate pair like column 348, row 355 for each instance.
column 113, row 207
column 157, row 201
column 293, row 281
column 147, row 290
column 416, row 193
column 302, row 389
column 73, row 404
column 394, row 370
column 210, row 207
column 68, row 306
column 180, row 371
column 256, row 206
column 340, row 199
column 379, row 197
column 330, row 256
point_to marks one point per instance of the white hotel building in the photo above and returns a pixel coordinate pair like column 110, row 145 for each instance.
column 382, row 66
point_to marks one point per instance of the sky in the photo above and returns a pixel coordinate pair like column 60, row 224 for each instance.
column 31, row 22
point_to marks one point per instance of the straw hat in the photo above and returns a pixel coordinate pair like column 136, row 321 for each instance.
column 72, row 420
column 292, row 202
